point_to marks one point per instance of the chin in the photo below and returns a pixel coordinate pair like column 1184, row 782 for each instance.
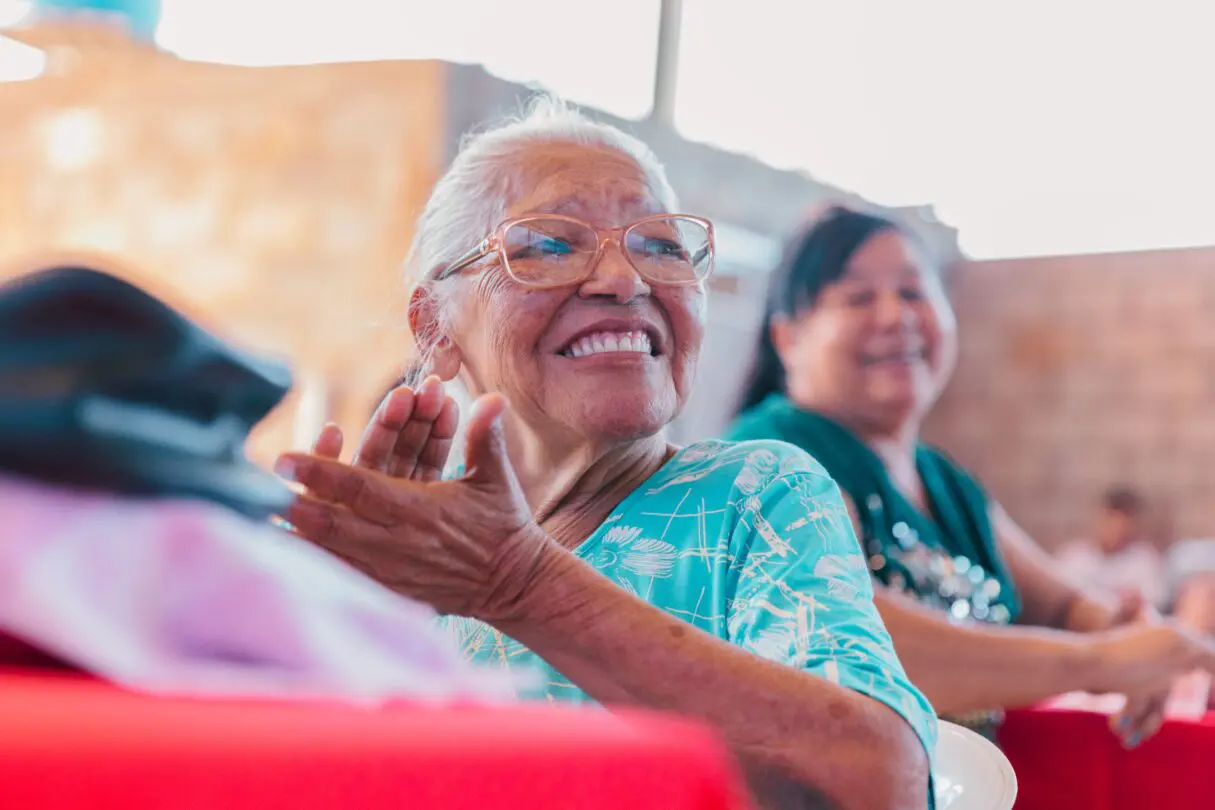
column 899, row 407
column 622, row 417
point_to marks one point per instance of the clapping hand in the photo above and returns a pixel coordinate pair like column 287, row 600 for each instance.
column 467, row 546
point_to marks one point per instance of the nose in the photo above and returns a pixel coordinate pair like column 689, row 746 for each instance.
column 893, row 310
column 614, row 277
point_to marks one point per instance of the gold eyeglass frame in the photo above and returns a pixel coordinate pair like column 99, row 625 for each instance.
column 495, row 243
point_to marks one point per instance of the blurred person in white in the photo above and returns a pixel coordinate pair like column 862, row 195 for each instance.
column 556, row 282
column 1118, row 557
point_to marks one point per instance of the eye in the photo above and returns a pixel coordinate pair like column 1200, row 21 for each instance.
column 542, row 246
column 666, row 248
column 911, row 293
column 861, row 298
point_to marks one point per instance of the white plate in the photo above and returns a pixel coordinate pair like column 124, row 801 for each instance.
column 971, row 773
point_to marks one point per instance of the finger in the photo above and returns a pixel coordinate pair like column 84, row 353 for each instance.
column 1141, row 719
column 1120, row 723
column 433, row 458
column 329, row 442
column 376, row 447
column 412, row 437
column 333, row 528
column 485, row 454
column 370, row 495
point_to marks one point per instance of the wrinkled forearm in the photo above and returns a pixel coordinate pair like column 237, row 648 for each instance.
column 784, row 725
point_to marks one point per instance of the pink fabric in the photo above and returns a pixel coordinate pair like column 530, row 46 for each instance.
column 187, row 597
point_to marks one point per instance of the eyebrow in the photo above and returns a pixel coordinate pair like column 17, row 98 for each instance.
column 572, row 205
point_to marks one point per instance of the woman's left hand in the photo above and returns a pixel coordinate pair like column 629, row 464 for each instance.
column 468, row 546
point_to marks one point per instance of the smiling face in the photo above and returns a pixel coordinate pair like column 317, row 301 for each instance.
column 609, row 360
column 878, row 345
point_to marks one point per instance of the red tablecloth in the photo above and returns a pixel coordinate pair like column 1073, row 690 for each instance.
column 66, row 742
column 1067, row 760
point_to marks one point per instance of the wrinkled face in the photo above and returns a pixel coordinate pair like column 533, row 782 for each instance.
column 612, row 359
column 879, row 344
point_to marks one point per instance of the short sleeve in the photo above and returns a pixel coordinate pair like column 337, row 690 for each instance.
column 802, row 595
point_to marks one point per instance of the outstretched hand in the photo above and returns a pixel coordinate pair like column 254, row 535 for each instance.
column 467, row 546
column 409, row 436
column 1143, row 659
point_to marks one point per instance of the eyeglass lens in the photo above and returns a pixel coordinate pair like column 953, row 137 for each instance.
column 666, row 250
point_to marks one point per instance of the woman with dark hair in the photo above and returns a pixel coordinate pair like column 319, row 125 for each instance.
column 857, row 343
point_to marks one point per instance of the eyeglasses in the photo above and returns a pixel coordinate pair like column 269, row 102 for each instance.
column 550, row 250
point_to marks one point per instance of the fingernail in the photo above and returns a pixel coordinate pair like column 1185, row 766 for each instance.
column 285, row 468
column 1134, row 740
column 1124, row 723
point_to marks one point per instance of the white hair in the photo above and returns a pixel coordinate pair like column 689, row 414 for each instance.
column 471, row 197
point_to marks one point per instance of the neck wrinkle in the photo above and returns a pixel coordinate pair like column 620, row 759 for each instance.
column 576, row 482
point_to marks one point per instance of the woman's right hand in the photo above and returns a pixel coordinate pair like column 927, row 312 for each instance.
column 409, row 436
column 1148, row 656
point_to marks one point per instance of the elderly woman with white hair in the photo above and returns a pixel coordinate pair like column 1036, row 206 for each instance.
column 555, row 280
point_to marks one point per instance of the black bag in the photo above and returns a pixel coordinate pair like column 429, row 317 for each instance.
column 104, row 387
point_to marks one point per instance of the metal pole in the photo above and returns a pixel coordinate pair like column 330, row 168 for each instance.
column 667, row 64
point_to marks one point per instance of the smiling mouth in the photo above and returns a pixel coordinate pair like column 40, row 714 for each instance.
column 635, row 342
column 903, row 356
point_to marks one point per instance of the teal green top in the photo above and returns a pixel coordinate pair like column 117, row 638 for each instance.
column 751, row 543
column 947, row 558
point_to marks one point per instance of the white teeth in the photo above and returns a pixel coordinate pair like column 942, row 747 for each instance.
column 911, row 355
column 636, row 342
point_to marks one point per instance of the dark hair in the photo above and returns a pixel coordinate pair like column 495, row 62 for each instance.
column 1123, row 500
column 813, row 260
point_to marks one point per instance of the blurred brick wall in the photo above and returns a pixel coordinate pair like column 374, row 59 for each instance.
column 277, row 204
column 1080, row 372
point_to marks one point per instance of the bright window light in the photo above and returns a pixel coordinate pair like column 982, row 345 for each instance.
column 73, row 139
column 1037, row 127
column 606, row 60
column 20, row 62
column 13, row 11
